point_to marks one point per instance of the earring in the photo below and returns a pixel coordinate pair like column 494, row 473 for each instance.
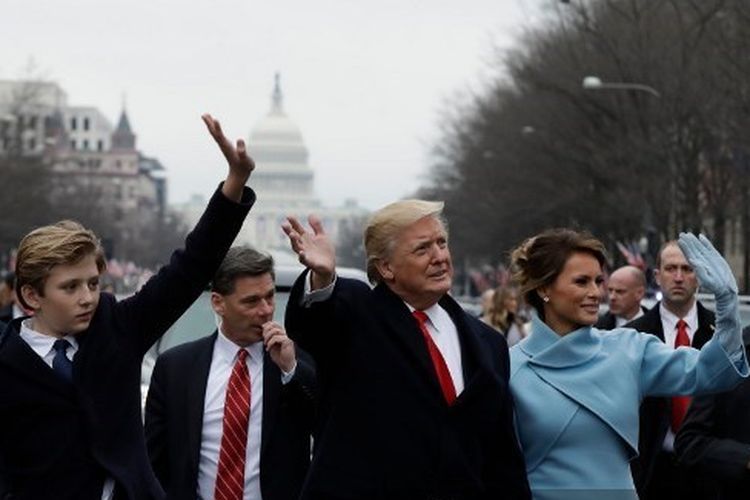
column 545, row 298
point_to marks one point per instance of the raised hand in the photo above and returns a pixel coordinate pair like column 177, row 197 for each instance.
column 280, row 347
column 240, row 164
column 714, row 274
column 313, row 248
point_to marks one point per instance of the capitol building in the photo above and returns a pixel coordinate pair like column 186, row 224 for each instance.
column 284, row 184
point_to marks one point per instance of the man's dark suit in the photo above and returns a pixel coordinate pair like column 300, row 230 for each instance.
column 385, row 431
column 61, row 440
column 6, row 313
column 608, row 321
column 655, row 413
column 174, row 422
column 715, row 439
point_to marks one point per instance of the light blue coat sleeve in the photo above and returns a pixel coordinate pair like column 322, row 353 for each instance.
column 687, row 371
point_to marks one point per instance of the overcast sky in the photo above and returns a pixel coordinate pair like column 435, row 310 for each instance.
column 365, row 80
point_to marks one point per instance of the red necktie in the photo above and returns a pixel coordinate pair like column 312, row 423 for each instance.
column 443, row 375
column 680, row 403
column 230, row 477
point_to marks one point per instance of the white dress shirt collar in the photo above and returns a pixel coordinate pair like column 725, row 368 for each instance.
column 669, row 323
column 227, row 350
column 42, row 344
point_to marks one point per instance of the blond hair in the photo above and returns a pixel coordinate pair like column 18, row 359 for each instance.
column 63, row 243
column 385, row 225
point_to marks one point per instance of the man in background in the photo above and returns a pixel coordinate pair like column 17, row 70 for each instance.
column 230, row 415
column 626, row 288
column 678, row 320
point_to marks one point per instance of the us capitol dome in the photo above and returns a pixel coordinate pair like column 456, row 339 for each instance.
column 285, row 183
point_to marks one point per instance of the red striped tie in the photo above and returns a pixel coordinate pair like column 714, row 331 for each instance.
column 680, row 404
column 441, row 368
column 230, row 477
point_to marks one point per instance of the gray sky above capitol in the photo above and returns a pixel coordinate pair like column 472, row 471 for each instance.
column 365, row 81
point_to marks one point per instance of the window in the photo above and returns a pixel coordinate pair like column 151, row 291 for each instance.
column 85, row 144
column 74, row 123
column 86, row 123
column 72, row 144
column 32, row 121
column 100, row 145
column 32, row 143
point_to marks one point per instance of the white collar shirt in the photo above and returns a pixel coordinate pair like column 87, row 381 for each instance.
column 222, row 362
column 445, row 335
column 669, row 323
column 621, row 321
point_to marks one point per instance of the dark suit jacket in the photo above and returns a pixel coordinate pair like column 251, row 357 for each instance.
column 174, row 421
column 608, row 321
column 715, row 439
column 385, row 431
column 655, row 413
column 6, row 313
column 60, row 440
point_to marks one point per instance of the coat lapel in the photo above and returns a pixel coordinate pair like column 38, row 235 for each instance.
column 706, row 320
column 271, row 394
column 195, row 394
column 573, row 365
column 653, row 321
column 474, row 353
column 19, row 357
column 404, row 331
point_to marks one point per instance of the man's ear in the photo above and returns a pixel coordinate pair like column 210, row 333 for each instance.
column 384, row 269
column 217, row 303
column 31, row 297
column 657, row 277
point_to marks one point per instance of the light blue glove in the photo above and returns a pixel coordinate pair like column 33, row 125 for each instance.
column 715, row 276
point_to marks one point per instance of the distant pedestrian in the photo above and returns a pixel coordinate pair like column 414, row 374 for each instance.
column 626, row 288
column 504, row 315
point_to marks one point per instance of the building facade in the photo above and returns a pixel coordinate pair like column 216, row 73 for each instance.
column 99, row 174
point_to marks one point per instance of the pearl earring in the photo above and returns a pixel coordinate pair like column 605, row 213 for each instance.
column 545, row 298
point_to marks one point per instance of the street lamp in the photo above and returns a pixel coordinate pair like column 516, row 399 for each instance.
column 596, row 83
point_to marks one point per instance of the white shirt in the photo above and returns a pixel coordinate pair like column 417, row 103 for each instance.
column 445, row 336
column 620, row 320
column 43, row 346
column 669, row 326
column 669, row 323
column 440, row 327
column 222, row 362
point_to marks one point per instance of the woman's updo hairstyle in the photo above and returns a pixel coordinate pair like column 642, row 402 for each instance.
column 539, row 260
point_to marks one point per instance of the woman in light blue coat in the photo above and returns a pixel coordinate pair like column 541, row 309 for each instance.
column 577, row 389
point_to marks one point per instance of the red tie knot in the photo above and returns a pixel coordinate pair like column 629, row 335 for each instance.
column 242, row 355
column 682, row 338
column 420, row 316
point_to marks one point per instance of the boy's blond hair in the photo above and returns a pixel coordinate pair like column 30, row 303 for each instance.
column 63, row 243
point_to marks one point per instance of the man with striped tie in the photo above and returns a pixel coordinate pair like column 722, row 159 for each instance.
column 229, row 416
